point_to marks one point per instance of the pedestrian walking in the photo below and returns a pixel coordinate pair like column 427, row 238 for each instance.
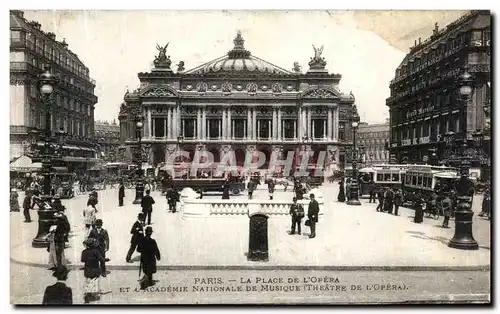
column 89, row 215
column 92, row 270
column 60, row 238
column 312, row 215
column 147, row 205
column 102, row 237
column 137, row 233
column 251, row 187
column 398, row 201
column 372, row 191
column 14, row 201
column 27, row 205
column 388, row 200
column 149, row 255
column 225, row 190
column 58, row 293
column 341, row 196
column 297, row 213
column 172, row 197
column 446, row 205
column 51, row 248
column 270, row 187
column 121, row 193
column 486, row 204
column 380, row 196
column 419, row 211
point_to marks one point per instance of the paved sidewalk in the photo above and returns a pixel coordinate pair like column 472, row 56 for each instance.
column 347, row 236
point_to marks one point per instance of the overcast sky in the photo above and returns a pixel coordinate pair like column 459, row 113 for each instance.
column 365, row 47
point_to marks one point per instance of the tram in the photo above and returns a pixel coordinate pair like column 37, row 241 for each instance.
column 386, row 175
column 423, row 179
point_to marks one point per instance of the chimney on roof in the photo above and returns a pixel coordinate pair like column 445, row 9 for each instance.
column 415, row 45
column 18, row 13
column 420, row 40
column 65, row 45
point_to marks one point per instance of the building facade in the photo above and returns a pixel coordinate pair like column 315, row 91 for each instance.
column 107, row 138
column 425, row 102
column 239, row 103
column 373, row 140
column 31, row 50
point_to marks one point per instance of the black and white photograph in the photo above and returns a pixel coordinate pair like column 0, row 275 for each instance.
column 250, row 157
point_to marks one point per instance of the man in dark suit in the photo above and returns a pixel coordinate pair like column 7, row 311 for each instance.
column 147, row 205
column 137, row 232
column 102, row 237
column 312, row 215
column 27, row 205
column 149, row 254
column 121, row 193
column 58, row 293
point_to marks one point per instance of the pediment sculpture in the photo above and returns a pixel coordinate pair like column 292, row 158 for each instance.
column 159, row 92
column 226, row 87
column 252, row 87
column 320, row 93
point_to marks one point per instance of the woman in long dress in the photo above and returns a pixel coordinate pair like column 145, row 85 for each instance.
column 93, row 268
column 14, row 201
column 52, row 248
column 89, row 215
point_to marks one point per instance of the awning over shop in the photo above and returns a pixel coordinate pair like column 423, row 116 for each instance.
column 25, row 164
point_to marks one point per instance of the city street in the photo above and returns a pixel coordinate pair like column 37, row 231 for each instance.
column 347, row 236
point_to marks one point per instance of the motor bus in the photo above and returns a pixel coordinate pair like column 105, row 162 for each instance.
column 386, row 175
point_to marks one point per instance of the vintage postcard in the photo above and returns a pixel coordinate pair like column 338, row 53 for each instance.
column 250, row 157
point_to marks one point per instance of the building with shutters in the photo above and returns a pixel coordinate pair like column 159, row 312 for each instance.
column 31, row 50
column 373, row 140
column 425, row 102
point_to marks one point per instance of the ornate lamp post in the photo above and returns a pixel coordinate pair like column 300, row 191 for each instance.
column 139, row 187
column 463, row 238
column 353, row 189
column 46, row 84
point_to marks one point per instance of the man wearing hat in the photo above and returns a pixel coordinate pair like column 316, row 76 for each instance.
column 121, row 193
column 312, row 215
column 61, row 236
column 58, row 293
column 149, row 254
column 137, row 232
column 102, row 237
column 93, row 269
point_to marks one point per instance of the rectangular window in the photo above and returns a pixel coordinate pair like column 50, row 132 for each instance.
column 159, row 127
column 413, row 180
column 289, row 127
column 264, row 128
column 342, row 131
column 420, row 180
column 239, row 128
column 214, row 128
column 189, row 130
column 380, row 177
column 319, row 128
column 395, row 177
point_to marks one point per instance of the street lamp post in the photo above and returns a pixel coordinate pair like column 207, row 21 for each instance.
column 353, row 189
column 463, row 238
column 46, row 84
column 139, row 187
column 305, row 141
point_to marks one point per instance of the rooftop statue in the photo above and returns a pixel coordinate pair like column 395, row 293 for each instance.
column 162, row 60
column 318, row 62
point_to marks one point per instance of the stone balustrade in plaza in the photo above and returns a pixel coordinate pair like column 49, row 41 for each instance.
column 205, row 208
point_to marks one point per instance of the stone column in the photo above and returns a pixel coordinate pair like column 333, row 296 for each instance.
column 309, row 123
column 335, row 123
column 299, row 122
column 174, row 123
column 279, row 126
column 324, row 129
column 249, row 124
column 224, row 121
column 169, row 122
column 204, row 124
column 153, row 125
column 274, row 130
column 178, row 119
column 254, row 123
column 165, row 127
column 229, row 125
column 198, row 123
column 148, row 110
column 329, row 124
